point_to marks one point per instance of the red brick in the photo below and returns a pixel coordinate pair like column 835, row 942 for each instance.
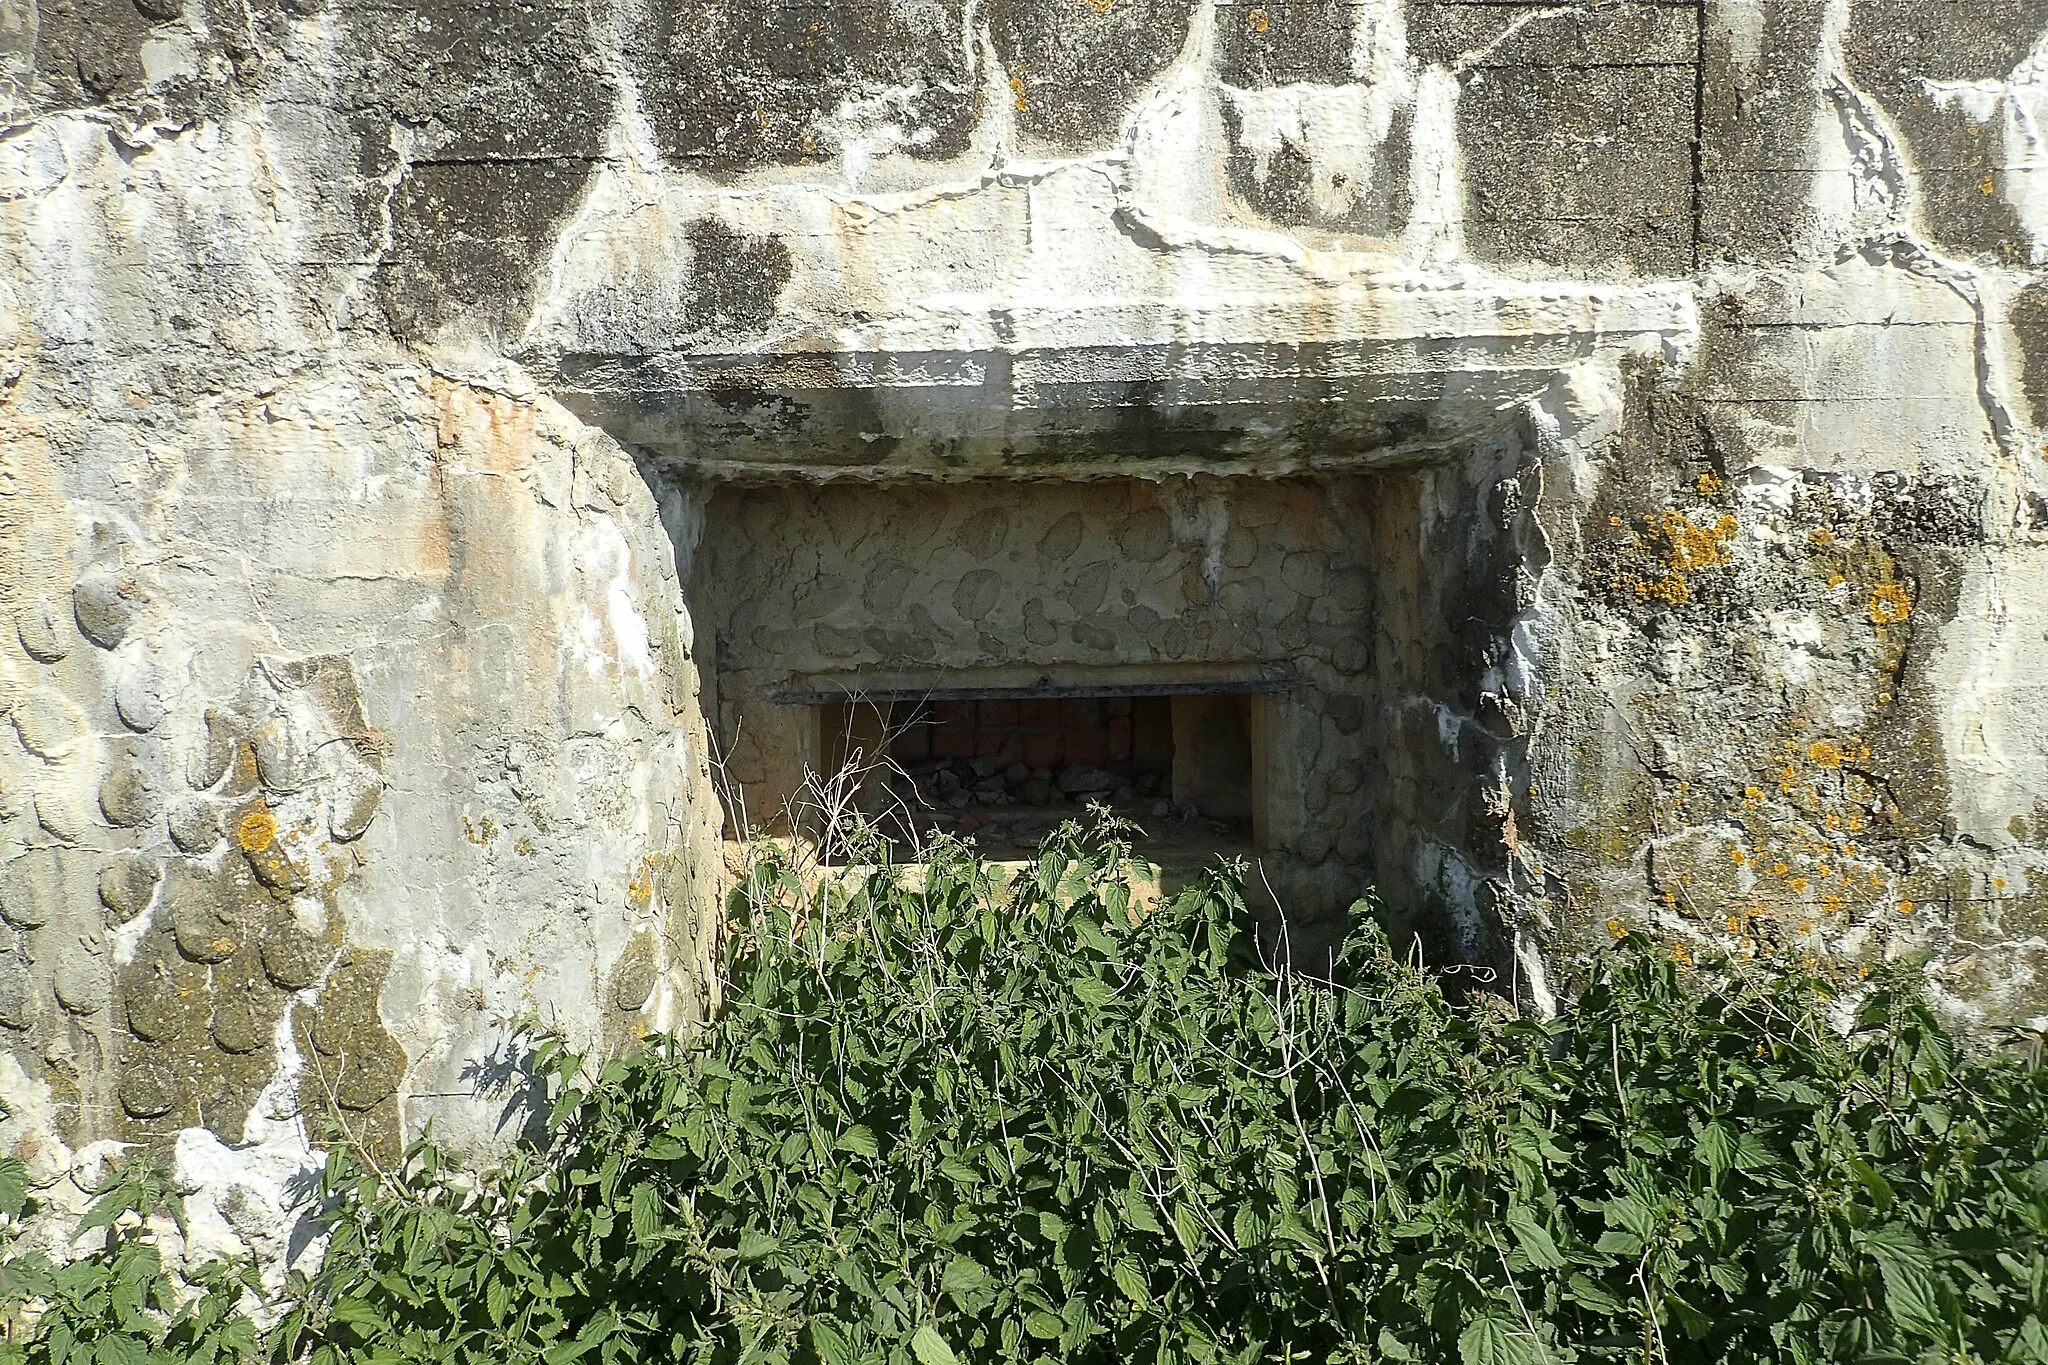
column 953, row 712
column 1080, row 711
column 1120, row 739
column 990, row 740
column 1042, row 751
column 953, row 741
column 1038, row 711
column 1119, row 706
column 1087, row 746
column 998, row 712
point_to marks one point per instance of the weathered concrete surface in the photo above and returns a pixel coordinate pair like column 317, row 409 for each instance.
column 1680, row 371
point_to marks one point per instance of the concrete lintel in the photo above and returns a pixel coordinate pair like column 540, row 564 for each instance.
column 1338, row 376
column 1079, row 680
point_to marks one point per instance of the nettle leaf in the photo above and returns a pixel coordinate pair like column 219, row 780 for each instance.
column 756, row 1245
column 1092, row 991
column 964, row 1277
column 1138, row 1211
column 930, row 1348
column 1534, row 1239
column 1912, row 1285
column 1716, row 1148
column 859, row 1140
column 1489, row 1340
column 1633, row 1215
column 13, row 1186
column 1131, row 1279
column 1590, row 1293
column 829, row 1339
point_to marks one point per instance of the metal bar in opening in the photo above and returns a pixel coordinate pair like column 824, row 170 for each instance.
column 827, row 694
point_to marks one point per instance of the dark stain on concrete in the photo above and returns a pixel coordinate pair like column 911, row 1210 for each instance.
column 1286, row 43
column 729, row 87
column 2029, row 322
column 735, row 279
column 1958, row 163
column 1077, row 66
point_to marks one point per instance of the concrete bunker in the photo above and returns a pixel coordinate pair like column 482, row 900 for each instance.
column 1080, row 504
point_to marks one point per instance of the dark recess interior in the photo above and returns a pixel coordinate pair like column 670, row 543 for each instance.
column 1003, row 770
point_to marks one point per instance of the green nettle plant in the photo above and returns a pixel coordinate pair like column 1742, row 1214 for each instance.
column 945, row 1117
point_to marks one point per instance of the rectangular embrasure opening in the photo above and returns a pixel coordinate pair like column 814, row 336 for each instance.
column 1185, row 767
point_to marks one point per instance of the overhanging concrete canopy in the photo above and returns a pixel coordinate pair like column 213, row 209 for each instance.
column 1043, row 329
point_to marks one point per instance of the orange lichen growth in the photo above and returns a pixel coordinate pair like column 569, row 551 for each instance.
column 1691, row 547
column 1670, row 548
column 1709, row 485
column 257, row 831
column 1737, row 856
column 1821, row 538
column 1017, row 92
column 1889, row 604
column 1823, row 754
column 1905, row 907
column 1618, row 929
column 1258, row 21
column 1681, row 953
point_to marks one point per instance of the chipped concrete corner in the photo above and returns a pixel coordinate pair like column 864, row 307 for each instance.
column 1621, row 422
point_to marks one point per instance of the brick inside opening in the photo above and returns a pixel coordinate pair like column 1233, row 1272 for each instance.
column 1005, row 769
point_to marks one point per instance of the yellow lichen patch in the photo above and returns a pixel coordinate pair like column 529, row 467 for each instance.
column 1690, row 547
column 1709, row 485
column 1681, row 953
column 1671, row 548
column 1905, row 907
column 1889, row 604
column 1618, row 929
column 1017, row 91
column 1823, row 754
column 1258, row 21
column 1820, row 538
column 257, row 831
